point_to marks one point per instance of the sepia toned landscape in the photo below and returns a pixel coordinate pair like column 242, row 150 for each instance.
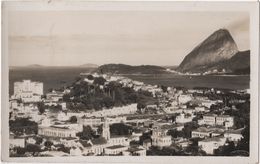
column 114, row 85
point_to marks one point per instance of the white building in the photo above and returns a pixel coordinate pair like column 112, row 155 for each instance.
column 209, row 119
column 182, row 99
column 28, row 91
column 115, row 111
column 234, row 135
column 135, row 151
column 160, row 138
column 119, row 119
column 54, row 96
column 208, row 103
column 225, row 120
column 115, row 150
column 182, row 118
column 211, row 144
column 93, row 147
column 75, row 151
column 56, row 131
column 119, row 140
column 212, row 119
column 16, row 142
column 89, row 121
column 62, row 116
column 200, row 109
column 203, row 132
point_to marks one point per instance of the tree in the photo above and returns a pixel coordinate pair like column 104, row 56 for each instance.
column 188, row 128
column 244, row 143
column 23, row 125
column 38, row 140
column 41, row 107
column 66, row 97
column 165, row 151
column 33, row 149
column 90, row 77
column 99, row 129
column 164, row 88
column 63, row 148
column 175, row 133
column 73, row 119
column 99, row 81
column 87, row 133
column 120, row 129
column 141, row 106
column 48, row 144
column 145, row 136
column 226, row 149
column 108, row 102
column 20, row 150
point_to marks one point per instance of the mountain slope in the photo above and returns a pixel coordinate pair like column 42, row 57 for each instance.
column 128, row 69
column 237, row 64
column 217, row 47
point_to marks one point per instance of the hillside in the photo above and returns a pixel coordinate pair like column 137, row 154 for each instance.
column 127, row 69
column 218, row 47
column 237, row 64
column 86, row 96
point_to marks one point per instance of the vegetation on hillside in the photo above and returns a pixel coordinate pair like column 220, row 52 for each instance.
column 128, row 69
column 98, row 95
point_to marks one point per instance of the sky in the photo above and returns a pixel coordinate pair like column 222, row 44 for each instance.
column 71, row 38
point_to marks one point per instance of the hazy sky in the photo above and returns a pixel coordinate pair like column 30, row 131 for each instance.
column 129, row 37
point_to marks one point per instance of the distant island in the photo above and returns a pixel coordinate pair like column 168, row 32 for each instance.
column 128, row 69
column 89, row 65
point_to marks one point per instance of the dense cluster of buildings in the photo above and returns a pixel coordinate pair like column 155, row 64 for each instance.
column 56, row 126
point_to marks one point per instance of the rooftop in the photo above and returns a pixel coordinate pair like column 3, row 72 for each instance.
column 133, row 149
column 214, row 139
column 224, row 116
column 115, row 147
column 203, row 129
column 59, row 127
column 210, row 115
column 236, row 131
column 171, row 126
column 99, row 141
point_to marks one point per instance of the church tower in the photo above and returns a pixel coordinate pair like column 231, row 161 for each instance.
column 106, row 131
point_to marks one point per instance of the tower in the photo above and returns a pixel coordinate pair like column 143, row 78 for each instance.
column 106, row 131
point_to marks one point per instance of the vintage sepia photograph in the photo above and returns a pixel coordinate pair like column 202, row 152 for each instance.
column 158, row 79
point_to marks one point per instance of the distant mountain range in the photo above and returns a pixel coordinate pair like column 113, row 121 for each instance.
column 128, row 69
column 218, row 53
column 35, row 65
column 89, row 65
